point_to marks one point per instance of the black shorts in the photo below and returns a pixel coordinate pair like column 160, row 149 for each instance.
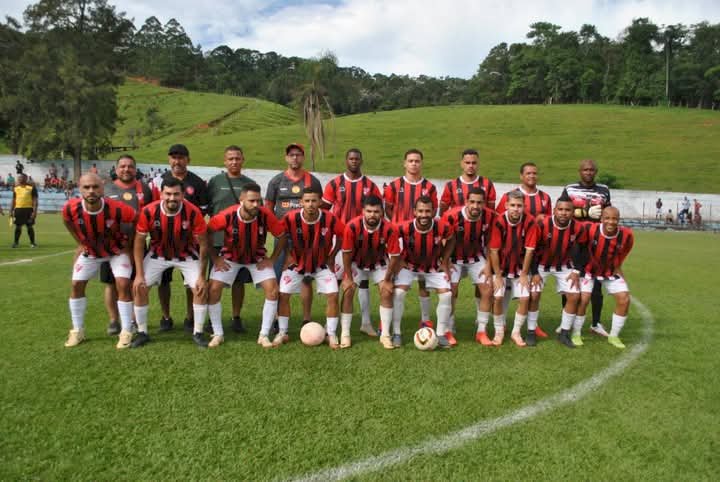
column 22, row 216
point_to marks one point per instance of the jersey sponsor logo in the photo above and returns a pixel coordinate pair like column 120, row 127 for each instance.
column 285, row 204
column 283, row 189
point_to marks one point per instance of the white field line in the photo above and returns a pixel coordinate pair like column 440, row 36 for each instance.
column 483, row 428
column 36, row 258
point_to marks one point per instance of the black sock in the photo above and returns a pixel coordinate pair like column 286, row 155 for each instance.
column 18, row 231
column 31, row 233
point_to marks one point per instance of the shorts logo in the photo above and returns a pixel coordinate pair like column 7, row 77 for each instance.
column 286, row 279
column 78, row 268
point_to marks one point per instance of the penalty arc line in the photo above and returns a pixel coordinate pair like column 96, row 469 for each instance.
column 483, row 428
column 30, row 260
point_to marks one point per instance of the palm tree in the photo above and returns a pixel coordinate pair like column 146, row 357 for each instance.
column 315, row 106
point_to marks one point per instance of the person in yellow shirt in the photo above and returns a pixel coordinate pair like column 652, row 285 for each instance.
column 24, row 208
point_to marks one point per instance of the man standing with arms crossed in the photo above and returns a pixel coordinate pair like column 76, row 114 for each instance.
column 456, row 191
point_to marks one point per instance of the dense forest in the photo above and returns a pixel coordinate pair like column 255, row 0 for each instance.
column 60, row 66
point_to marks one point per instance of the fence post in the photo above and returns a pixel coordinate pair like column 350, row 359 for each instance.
column 642, row 220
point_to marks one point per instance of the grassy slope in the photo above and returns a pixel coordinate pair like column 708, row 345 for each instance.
column 169, row 411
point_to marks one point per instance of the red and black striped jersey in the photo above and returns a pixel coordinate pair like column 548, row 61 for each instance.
column 311, row 243
column 512, row 241
column 536, row 203
column 345, row 196
column 422, row 250
column 554, row 247
column 456, row 192
column 471, row 237
column 172, row 236
column 99, row 231
column 371, row 249
column 244, row 241
column 401, row 194
column 607, row 253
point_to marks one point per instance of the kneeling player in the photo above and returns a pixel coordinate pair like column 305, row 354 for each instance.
column 245, row 228
column 559, row 236
column 178, row 239
column 471, row 225
column 310, row 232
column 425, row 246
column 512, row 242
column 608, row 244
column 95, row 223
column 369, row 242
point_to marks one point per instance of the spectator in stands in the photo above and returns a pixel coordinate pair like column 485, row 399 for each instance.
column 684, row 215
column 10, row 180
column 52, row 170
column 19, row 168
column 64, row 172
column 669, row 219
column 658, row 209
column 69, row 189
column 113, row 174
column 697, row 219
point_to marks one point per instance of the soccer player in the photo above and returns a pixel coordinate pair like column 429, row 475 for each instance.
column 310, row 235
column 456, row 191
column 609, row 245
column 589, row 199
column 343, row 196
column 96, row 222
column 400, row 198
column 136, row 194
column 223, row 192
column 537, row 202
column 24, row 208
column 559, row 237
column 178, row 239
column 371, row 250
column 471, row 225
column 426, row 252
column 244, row 227
column 512, row 242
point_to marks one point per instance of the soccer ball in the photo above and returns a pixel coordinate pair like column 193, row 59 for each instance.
column 312, row 334
column 425, row 339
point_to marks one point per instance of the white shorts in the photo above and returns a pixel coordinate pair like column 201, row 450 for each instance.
column 518, row 291
column 374, row 275
column 87, row 267
column 612, row 286
column 339, row 266
column 437, row 280
column 562, row 284
column 474, row 271
column 154, row 268
column 228, row 277
column 325, row 281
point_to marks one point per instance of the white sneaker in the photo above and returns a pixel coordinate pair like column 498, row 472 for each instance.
column 124, row 340
column 216, row 341
column 599, row 330
column 345, row 341
column 280, row 339
column 264, row 342
column 332, row 341
column 75, row 337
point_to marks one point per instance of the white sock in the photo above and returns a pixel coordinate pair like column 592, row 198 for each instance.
column 499, row 322
column 141, row 318
column 364, row 300
column 482, row 320
column 199, row 313
column 477, row 308
column 444, row 308
column 578, row 324
column 617, row 324
column 215, row 312
column 398, row 309
column 532, row 318
column 283, row 324
column 332, row 323
column 386, row 317
column 519, row 322
column 268, row 315
column 345, row 321
column 424, row 307
column 77, row 312
column 125, row 308
column 567, row 320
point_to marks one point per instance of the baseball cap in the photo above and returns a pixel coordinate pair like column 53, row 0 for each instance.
column 294, row 145
column 178, row 149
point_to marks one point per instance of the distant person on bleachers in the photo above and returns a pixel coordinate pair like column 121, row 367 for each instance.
column 52, row 170
column 64, row 171
column 113, row 174
column 669, row 218
column 697, row 218
column 19, row 168
column 69, row 189
column 684, row 216
column 658, row 209
column 93, row 169
column 10, row 180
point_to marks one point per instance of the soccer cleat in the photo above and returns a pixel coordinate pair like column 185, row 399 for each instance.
column 369, row 331
column 124, row 340
column 166, row 324
column 577, row 340
column 615, row 341
column 482, row 338
column 598, row 330
column 200, row 340
column 216, row 341
column 33, row 245
column 345, row 341
column 188, row 325
column 265, row 342
column 280, row 339
column 237, row 325
column 558, row 329
column 451, row 338
column 518, row 339
column 397, row 341
column 443, row 342
column 133, row 327
column 499, row 337
column 75, row 337
column 531, row 338
column 113, row 328
column 386, row 342
column 564, row 338
column 140, row 340
column 14, row 245
column 540, row 333
column 332, row 341
column 426, row 324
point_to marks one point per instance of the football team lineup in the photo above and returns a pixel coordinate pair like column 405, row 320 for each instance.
column 345, row 238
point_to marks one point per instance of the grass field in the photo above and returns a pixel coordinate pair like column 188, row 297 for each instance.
column 169, row 411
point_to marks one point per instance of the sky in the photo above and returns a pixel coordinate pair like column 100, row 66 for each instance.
column 431, row 37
